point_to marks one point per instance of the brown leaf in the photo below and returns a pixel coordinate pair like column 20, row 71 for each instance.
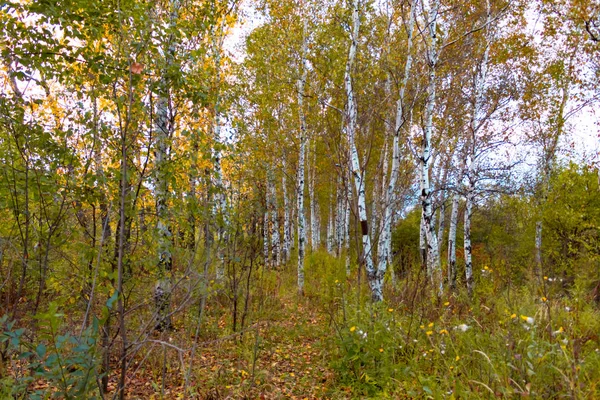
column 137, row 68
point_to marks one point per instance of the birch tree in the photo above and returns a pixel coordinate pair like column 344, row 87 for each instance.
column 385, row 238
column 301, row 156
column 163, row 128
column 373, row 275
column 475, row 125
column 433, row 259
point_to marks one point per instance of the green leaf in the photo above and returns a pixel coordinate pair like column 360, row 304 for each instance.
column 111, row 301
column 41, row 350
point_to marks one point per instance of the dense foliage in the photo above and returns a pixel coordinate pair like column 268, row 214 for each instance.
column 358, row 198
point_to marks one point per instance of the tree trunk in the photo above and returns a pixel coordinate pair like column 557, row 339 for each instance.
column 385, row 239
column 301, row 156
column 467, row 240
column 433, row 259
column 452, row 242
column 314, row 228
column 275, row 241
column 476, row 121
column 286, row 218
column 359, row 178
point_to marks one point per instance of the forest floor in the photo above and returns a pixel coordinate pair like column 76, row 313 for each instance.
column 333, row 343
column 284, row 357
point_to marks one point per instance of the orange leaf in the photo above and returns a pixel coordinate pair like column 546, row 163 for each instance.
column 137, row 68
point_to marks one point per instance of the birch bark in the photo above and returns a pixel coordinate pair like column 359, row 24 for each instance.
column 274, row 226
column 475, row 124
column 351, row 127
column 220, row 204
column 433, row 259
column 301, row 156
column 163, row 127
column 452, row 242
column 385, row 239
column 286, row 219
column 314, row 230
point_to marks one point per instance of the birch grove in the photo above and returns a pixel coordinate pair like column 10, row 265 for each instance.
column 184, row 184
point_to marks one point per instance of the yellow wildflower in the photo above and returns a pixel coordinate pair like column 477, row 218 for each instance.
column 457, row 358
column 390, row 309
column 430, row 324
column 513, row 316
column 428, row 333
column 447, row 303
column 545, row 278
column 443, row 332
column 380, row 350
column 352, row 329
column 544, row 299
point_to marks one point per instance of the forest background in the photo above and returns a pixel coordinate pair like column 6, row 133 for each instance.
column 360, row 198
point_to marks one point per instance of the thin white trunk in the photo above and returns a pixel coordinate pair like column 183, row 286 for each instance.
column 220, row 205
column 314, row 230
column 467, row 240
column 163, row 127
column 266, row 237
column 378, row 200
column 433, row 259
column 330, row 227
column 385, row 240
column 301, row 156
column 452, row 242
column 442, row 203
column 274, row 219
column 347, row 204
column 351, row 127
column 476, row 122
column 339, row 218
column 286, row 219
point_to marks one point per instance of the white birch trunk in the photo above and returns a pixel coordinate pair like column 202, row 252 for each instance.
column 433, row 259
column 274, row 227
column 220, row 208
column 347, row 204
column 314, row 230
column 385, row 239
column 163, row 126
column 330, row 227
column 286, row 219
column 266, row 237
column 476, row 121
column 339, row 218
column 467, row 239
column 301, row 156
column 442, row 203
column 351, row 127
column 452, row 242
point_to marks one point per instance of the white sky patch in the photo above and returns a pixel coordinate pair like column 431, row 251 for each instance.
column 249, row 19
